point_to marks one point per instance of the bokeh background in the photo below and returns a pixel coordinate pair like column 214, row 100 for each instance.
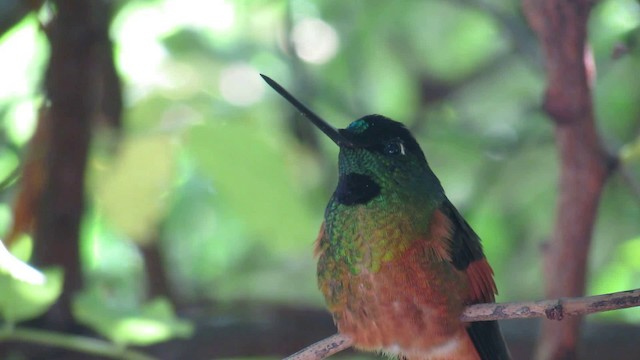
column 206, row 199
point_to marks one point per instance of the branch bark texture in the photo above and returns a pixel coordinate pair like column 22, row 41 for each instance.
column 557, row 309
column 323, row 348
column 561, row 27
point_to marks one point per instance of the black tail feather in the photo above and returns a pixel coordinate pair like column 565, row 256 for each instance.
column 488, row 340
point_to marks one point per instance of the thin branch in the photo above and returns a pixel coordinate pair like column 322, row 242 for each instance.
column 323, row 348
column 556, row 309
column 552, row 309
column 83, row 344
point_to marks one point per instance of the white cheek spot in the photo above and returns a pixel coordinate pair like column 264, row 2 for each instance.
column 402, row 151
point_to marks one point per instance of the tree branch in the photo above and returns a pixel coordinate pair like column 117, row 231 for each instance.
column 323, row 348
column 556, row 309
column 561, row 27
column 82, row 344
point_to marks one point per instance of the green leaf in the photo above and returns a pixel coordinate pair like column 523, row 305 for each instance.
column 630, row 254
column 456, row 41
column 151, row 323
column 22, row 247
column 156, row 322
column 131, row 189
column 617, row 100
column 631, row 152
column 22, row 300
column 248, row 167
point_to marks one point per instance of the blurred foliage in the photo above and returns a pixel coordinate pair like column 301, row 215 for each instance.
column 24, row 300
column 211, row 169
column 146, row 325
column 129, row 187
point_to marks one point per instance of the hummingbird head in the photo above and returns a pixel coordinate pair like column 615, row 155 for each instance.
column 376, row 154
column 375, row 143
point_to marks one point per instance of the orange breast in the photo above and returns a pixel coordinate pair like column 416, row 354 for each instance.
column 410, row 306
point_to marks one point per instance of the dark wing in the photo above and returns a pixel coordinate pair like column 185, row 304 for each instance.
column 467, row 255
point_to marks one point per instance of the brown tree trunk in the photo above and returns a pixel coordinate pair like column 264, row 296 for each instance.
column 77, row 34
column 561, row 27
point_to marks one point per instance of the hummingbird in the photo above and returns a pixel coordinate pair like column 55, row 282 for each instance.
column 397, row 263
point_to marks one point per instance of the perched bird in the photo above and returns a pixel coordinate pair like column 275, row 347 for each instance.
column 397, row 263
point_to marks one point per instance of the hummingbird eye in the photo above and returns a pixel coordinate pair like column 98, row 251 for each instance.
column 394, row 148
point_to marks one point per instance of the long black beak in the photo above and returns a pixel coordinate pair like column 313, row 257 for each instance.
column 329, row 130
